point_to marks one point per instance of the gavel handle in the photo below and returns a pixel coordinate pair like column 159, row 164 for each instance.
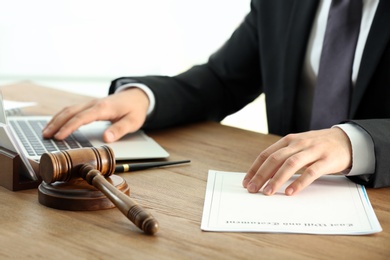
column 134, row 212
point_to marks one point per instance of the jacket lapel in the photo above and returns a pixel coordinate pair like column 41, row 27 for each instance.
column 301, row 21
column 377, row 40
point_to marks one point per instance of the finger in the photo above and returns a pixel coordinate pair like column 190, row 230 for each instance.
column 65, row 125
column 61, row 118
column 276, row 170
column 120, row 128
column 321, row 167
column 263, row 156
column 269, row 168
column 69, row 127
column 312, row 173
column 290, row 166
column 74, row 117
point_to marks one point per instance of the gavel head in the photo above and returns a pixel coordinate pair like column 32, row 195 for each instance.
column 65, row 165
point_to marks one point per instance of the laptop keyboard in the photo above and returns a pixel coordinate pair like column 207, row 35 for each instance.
column 30, row 134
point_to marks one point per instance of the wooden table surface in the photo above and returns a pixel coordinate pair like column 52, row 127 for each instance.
column 175, row 196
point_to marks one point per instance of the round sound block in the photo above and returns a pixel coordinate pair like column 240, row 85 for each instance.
column 77, row 194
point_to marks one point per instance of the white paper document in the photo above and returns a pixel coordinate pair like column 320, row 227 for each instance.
column 9, row 104
column 331, row 205
column 13, row 108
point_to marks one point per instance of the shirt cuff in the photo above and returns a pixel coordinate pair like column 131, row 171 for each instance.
column 144, row 88
column 363, row 154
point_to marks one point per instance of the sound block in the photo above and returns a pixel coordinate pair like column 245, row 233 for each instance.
column 77, row 194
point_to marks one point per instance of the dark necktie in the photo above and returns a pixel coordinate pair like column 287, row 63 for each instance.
column 334, row 86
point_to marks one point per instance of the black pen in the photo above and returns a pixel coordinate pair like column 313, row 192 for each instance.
column 127, row 167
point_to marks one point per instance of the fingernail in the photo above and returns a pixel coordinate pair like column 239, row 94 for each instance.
column 289, row 191
column 267, row 190
column 252, row 187
column 109, row 136
column 46, row 129
column 245, row 182
column 57, row 136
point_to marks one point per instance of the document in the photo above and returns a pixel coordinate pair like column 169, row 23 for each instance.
column 13, row 108
column 331, row 205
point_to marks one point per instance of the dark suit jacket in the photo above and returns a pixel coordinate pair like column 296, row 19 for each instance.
column 265, row 55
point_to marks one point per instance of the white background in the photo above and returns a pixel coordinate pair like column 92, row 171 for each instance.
column 81, row 45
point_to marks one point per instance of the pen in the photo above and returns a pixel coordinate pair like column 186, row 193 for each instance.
column 127, row 167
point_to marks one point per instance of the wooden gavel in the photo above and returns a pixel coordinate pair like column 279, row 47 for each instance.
column 93, row 165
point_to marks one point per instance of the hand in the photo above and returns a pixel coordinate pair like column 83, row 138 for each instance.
column 126, row 110
column 316, row 152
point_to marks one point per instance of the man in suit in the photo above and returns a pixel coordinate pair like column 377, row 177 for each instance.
column 274, row 51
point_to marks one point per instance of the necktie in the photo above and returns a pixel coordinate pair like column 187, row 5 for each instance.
column 334, row 86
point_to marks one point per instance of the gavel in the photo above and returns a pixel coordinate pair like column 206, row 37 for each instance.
column 94, row 164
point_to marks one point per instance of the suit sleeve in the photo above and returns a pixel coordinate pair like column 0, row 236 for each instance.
column 226, row 83
column 379, row 130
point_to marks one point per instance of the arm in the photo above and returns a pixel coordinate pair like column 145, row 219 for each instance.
column 379, row 130
column 230, row 80
column 226, row 83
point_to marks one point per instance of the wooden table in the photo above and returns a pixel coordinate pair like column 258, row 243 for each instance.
column 175, row 196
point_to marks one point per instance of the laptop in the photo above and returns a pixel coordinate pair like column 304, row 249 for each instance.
column 22, row 135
